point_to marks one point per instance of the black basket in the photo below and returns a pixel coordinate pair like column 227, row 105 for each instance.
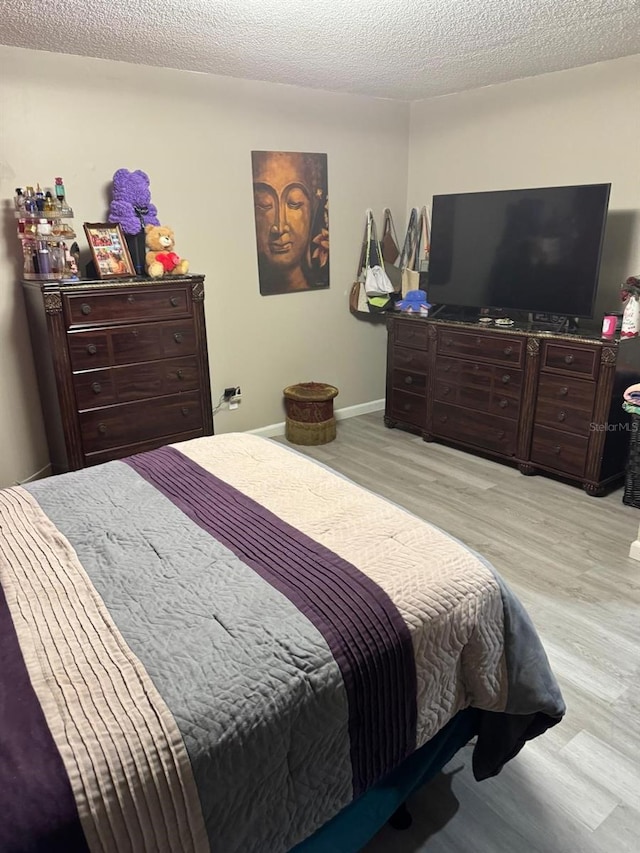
column 631, row 495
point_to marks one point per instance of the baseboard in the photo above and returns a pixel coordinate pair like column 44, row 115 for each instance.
column 359, row 409
column 39, row 475
column 341, row 415
column 634, row 551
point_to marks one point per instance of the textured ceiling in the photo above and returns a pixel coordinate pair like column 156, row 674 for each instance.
column 405, row 49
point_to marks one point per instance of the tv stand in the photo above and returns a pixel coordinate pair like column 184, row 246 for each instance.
column 547, row 402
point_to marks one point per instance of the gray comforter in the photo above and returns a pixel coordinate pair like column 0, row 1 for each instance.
column 230, row 617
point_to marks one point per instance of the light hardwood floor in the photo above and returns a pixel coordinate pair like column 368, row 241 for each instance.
column 576, row 789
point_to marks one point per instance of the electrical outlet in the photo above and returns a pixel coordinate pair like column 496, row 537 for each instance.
column 234, row 401
column 232, row 395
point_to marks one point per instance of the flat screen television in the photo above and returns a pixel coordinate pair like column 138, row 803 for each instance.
column 535, row 250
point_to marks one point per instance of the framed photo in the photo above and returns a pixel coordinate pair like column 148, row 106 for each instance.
column 109, row 250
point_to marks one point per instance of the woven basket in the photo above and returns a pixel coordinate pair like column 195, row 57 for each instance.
column 298, row 432
column 631, row 495
column 309, row 407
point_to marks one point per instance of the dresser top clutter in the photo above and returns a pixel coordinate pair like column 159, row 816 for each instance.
column 122, row 365
column 548, row 402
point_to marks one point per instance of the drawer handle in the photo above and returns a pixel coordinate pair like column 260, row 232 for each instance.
column 178, row 337
column 446, row 390
column 506, row 379
column 444, row 419
column 503, row 404
column 408, row 380
column 102, row 429
column 180, row 374
column 557, row 449
column 96, row 387
column 507, row 350
column 131, row 298
column 85, row 308
column 184, row 411
column 568, row 359
column 562, row 416
column 92, row 349
column 478, row 342
column 448, row 342
column 563, row 391
column 407, row 407
column 174, row 301
column 476, row 367
column 447, row 368
column 501, row 434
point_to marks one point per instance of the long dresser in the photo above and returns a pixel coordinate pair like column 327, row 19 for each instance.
column 547, row 402
column 122, row 366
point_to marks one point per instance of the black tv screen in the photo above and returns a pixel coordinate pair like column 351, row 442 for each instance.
column 529, row 250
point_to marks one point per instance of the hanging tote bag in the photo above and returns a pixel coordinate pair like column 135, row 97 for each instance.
column 377, row 284
column 357, row 297
column 390, row 251
column 370, row 291
column 424, row 244
column 410, row 277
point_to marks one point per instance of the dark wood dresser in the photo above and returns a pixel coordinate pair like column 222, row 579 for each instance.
column 548, row 402
column 122, row 366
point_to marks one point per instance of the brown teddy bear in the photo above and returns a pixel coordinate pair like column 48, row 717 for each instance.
column 160, row 258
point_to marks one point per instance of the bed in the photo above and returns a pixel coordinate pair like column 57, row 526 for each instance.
column 222, row 645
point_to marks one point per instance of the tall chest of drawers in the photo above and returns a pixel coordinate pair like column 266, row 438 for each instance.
column 547, row 402
column 122, row 366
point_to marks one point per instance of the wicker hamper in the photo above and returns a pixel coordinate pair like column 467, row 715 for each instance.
column 309, row 408
column 631, row 495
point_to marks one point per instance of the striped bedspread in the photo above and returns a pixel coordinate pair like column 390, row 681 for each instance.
column 219, row 645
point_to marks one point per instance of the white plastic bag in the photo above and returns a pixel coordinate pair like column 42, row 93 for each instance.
column 377, row 282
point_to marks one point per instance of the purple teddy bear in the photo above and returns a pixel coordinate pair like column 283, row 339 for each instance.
column 131, row 204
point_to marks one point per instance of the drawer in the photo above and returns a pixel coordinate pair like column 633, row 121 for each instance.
column 410, row 333
column 406, row 381
column 94, row 388
column 478, row 398
column 88, row 350
column 408, row 408
column 506, row 405
column 496, row 348
column 410, row 359
column 129, row 344
column 128, row 423
column 570, row 359
column 562, row 417
column 480, row 429
column 150, row 341
column 135, row 382
column 577, row 393
column 563, row 452
column 126, row 306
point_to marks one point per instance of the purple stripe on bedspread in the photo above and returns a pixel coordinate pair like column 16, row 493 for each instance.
column 367, row 636
column 37, row 810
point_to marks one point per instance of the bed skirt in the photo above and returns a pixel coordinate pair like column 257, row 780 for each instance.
column 357, row 824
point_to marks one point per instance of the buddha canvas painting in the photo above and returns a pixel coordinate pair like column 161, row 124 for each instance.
column 291, row 210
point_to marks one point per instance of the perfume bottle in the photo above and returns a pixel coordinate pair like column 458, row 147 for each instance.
column 19, row 199
column 49, row 203
column 58, row 261
column 60, row 194
column 30, row 201
column 44, row 260
column 39, row 199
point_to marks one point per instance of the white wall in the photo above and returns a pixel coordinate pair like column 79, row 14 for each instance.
column 570, row 127
column 84, row 118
